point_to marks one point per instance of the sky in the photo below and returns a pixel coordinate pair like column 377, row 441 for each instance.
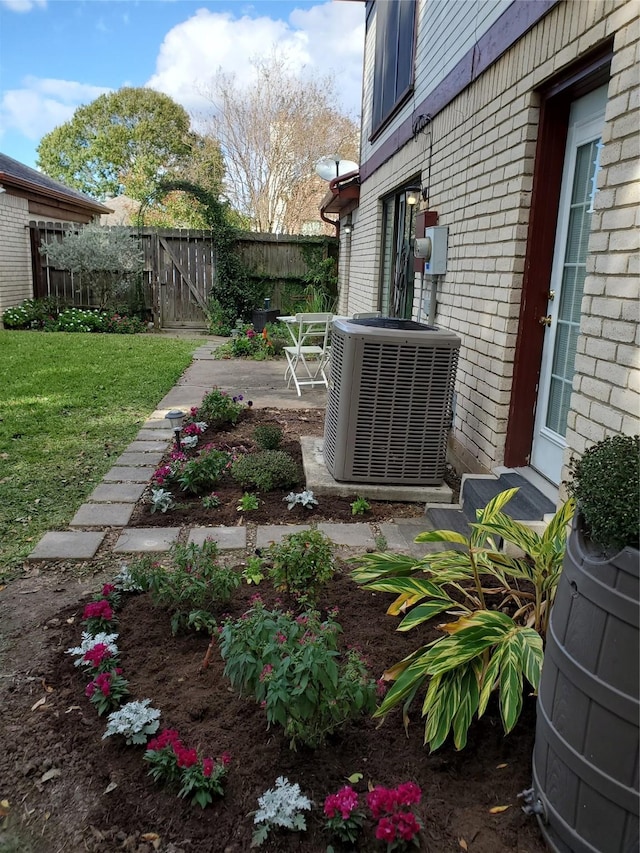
column 56, row 55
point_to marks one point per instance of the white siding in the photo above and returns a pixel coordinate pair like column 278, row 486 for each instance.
column 15, row 252
column 447, row 29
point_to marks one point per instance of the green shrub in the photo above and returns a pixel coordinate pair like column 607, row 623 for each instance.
column 266, row 470
column 195, row 582
column 268, row 436
column 293, row 667
column 30, row 314
column 81, row 320
column 201, row 474
column 220, row 409
column 605, row 484
column 302, row 563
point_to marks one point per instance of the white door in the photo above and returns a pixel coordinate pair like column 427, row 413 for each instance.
column 579, row 177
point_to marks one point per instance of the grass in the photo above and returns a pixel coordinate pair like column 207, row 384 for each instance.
column 69, row 405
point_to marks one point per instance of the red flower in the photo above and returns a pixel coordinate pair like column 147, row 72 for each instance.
column 207, row 767
column 225, row 758
column 186, row 757
column 408, row 793
column 107, row 589
column 407, row 825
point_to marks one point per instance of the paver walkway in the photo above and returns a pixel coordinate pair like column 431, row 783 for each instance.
column 111, row 503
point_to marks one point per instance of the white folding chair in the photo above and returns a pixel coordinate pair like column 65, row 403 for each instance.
column 307, row 357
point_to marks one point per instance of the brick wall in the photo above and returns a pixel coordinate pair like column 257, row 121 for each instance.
column 481, row 180
column 15, row 253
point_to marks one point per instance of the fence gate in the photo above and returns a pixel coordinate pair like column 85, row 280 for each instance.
column 184, row 267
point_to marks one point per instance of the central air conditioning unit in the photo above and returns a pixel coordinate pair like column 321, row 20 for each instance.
column 390, row 401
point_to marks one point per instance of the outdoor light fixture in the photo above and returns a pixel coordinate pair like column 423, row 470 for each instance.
column 175, row 418
column 348, row 225
column 413, row 195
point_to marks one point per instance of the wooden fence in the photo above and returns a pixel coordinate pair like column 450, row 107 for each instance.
column 180, row 270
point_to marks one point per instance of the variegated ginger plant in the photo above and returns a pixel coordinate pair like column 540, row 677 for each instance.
column 485, row 649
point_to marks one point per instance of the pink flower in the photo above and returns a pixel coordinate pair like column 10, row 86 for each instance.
column 408, row 793
column 267, row 670
column 407, row 825
column 97, row 654
column 207, row 767
column 225, row 758
column 90, row 689
column 381, row 687
column 107, row 589
column 345, row 801
column 385, row 830
column 103, row 683
column 186, row 757
column 98, row 610
column 280, row 637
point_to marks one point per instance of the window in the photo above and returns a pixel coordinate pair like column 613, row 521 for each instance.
column 397, row 275
column 393, row 72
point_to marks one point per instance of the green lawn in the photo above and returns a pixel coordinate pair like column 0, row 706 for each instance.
column 69, row 405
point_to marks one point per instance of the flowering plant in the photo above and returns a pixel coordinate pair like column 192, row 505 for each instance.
column 294, row 669
column 172, row 763
column 135, row 721
column 89, row 642
column 397, row 826
column 107, row 690
column 98, row 616
column 280, row 806
column 343, row 817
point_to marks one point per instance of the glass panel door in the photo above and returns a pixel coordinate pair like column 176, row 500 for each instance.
column 579, row 179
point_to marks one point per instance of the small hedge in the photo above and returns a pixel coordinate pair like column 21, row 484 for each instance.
column 44, row 315
column 266, row 470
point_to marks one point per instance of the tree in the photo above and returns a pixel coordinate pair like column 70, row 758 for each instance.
column 272, row 135
column 110, row 258
column 119, row 144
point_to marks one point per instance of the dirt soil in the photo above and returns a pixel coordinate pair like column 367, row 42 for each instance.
column 64, row 788
column 272, row 508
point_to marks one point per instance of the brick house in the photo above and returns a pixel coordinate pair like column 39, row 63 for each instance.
column 29, row 195
column 514, row 124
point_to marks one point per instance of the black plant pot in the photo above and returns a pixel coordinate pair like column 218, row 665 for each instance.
column 585, row 761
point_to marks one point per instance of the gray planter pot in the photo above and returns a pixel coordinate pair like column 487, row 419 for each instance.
column 585, row 761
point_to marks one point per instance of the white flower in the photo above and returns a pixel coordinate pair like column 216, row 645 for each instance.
column 88, row 642
column 134, row 720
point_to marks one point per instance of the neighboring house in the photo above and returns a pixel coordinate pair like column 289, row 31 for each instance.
column 124, row 211
column 518, row 125
column 26, row 195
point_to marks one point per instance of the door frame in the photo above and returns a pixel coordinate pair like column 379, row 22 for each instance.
column 586, row 74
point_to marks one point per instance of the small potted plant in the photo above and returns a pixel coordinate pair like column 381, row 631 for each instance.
column 585, row 782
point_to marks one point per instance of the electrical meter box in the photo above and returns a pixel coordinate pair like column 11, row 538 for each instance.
column 433, row 248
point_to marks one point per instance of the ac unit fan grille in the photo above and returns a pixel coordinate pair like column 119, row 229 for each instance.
column 389, row 410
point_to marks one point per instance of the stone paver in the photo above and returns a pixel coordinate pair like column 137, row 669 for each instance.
column 129, row 474
column 400, row 536
column 271, row 533
column 137, row 458
column 67, row 545
column 227, row 538
column 117, row 493
column 146, row 539
column 154, row 434
column 147, row 447
column 357, row 535
column 103, row 515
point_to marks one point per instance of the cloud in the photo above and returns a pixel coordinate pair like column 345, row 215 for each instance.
column 43, row 104
column 313, row 41
column 22, row 5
